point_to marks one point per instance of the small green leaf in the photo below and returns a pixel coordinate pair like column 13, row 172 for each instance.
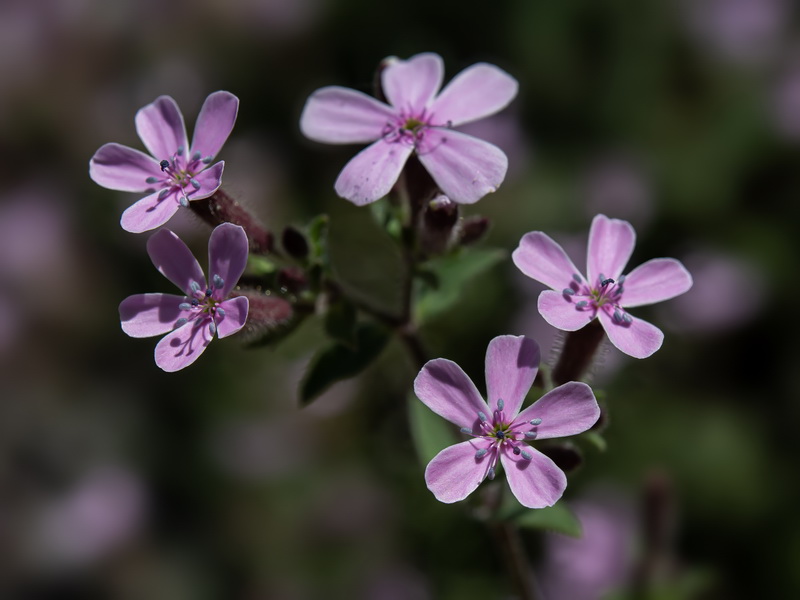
column 453, row 272
column 340, row 323
column 558, row 518
column 318, row 237
column 430, row 432
column 260, row 265
column 595, row 439
column 338, row 361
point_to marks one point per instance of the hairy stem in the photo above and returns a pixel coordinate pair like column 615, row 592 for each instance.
column 222, row 208
column 579, row 349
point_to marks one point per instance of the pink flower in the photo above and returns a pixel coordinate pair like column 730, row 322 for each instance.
column 605, row 293
column 499, row 431
column 179, row 172
column 193, row 319
column 417, row 119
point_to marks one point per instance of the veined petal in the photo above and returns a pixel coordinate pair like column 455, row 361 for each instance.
column 146, row 315
column 118, row 167
column 511, row 366
column 209, row 179
column 235, row 316
column 656, row 280
column 477, row 92
column 175, row 261
column 566, row 410
column 444, row 388
column 371, row 173
column 542, row 259
column 183, row 346
column 411, row 84
column 214, row 123
column 537, row 482
column 611, row 244
column 561, row 311
column 638, row 338
column 227, row 256
column 149, row 212
column 464, row 167
column 338, row 115
column 455, row 472
column 160, row 127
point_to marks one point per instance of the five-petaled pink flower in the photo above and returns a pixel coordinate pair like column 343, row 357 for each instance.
column 205, row 309
column 605, row 292
column 179, row 172
column 417, row 119
column 498, row 429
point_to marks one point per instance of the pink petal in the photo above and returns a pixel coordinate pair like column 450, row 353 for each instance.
column 560, row 311
column 656, row 280
column 511, row 366
column 638, row 338
column 235, row 316
column 371, row 173
column 569, row 409
column 227, row 256
column 477, row 92
column 337, row 115
column 542, row 259
column 454, row 473
column 209, row 179
column 175, row 261
column 464, row 167
column 149, row 212
column 446, row 390
column 146, row 315
column 409, row 85
column 537, row 482
column 118, row 167
column 161, row 129
column 183, row 346
column 214, row 123
column 611, row 243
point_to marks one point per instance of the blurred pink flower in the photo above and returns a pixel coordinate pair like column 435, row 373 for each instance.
column 417, row 119
column 511, row 366
column 179, row 172
column 618, row 185
column 573, row 301
column 205, row 310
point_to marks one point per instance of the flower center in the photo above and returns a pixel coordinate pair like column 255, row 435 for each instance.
column 605, row 294
column 203, row 305
column 178, row 177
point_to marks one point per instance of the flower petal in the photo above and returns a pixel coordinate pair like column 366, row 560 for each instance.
column 511, row 366
column 464, row 167
column 149, row 212
column 235, row 316
column 560, row 311
column 446, row 390
column 146, row 315
column 118, row 167
column 454, row 473
column 214, row 123
column 175, row 261
column 338, row 115
column 371, row 173
column 566, row 410
column 477, row 92
column 209, row 179
column 161, row 129
column 638, row 338
column 409, row 85
column 542, row 259
column 183, row 346
column 227, row 256
column 611, row 243
column 537, row 482
column 656, row 280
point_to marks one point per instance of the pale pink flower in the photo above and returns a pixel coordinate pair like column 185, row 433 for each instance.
column 190, row 321
column 416, row 119
column 499, row 431
column 176, row 172
column 605, row 292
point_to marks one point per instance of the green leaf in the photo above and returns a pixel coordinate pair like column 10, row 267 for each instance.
column 558, row 518
column 260, row 265
column 430, row 432
column 340, row 323
column 595, row 439
column 318, row 237
column 338, row 361
column 453, row 272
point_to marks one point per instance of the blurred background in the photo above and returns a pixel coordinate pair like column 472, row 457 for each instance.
column 120, row 481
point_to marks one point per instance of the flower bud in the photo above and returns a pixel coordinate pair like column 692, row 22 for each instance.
column 294, row 243
column 438, row 220
column 473, row 229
